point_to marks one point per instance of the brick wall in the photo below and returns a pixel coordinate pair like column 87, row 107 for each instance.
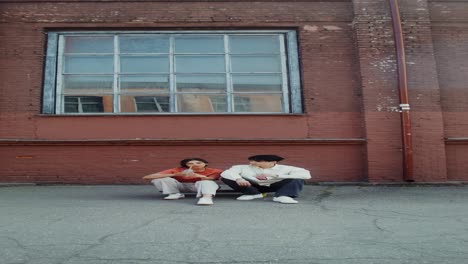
column 349, row 85
column 376, row 51
column 127, row 164
column 424, row 93
column 329, row 74
column 329, row 32
column 449, row 22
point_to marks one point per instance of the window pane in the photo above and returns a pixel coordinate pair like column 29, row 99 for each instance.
column 89, row 45
column 219, row 103
column 258, row 103
column 242, row 104
column 256, row 83
column 254, row 44
column 145, row 104
column 201, row 83
column 84, row 104
column 141, row 83
column 76, row 84
column 92, row 107
column 71, row 100
column 144, row 44
column 152, row 104
column 200, row 64
column 71, row 104
column 172, row 72
column 141, row 64
column 89, row 64
column 199, row 44
column 256, row 64
column 202, row 103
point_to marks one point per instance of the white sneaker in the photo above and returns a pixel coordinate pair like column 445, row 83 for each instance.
column 174, row 196
column 285, row 200
column 249, row 197
column 205, row 201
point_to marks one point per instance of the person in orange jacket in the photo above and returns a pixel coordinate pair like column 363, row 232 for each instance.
column 193, row 175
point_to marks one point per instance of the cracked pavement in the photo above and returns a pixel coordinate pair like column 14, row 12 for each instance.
column 332, row 224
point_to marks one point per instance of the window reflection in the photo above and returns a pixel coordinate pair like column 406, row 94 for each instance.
column 256, row 63
column 257, row 83
column 200, row 64
column 261, row 103
column 144, row 44
column 254, row 44
column 171, row 72
column 144, row 64
column 84, row 104
column 88, row 44
column 89, row 64
column 152, row 103
column 87, row 83
column 199, row 44
column 201, row 83
column 144, row 83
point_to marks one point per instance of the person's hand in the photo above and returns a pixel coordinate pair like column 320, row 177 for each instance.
column 186, row 173
column 243, row 183
column 264, row 176
column 203, row 177
column 196, row 176
column 147, row 177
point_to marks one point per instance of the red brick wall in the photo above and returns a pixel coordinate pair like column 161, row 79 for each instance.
column 450, row 35
column 329, row 74
column 127, row 164
column 349, row 83
column 376, row 50
column 424, row 93
column 330, row 34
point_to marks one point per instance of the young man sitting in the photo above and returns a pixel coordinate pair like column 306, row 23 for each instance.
column 264, row 174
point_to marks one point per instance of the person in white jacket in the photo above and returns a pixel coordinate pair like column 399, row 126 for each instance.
column 263, row 175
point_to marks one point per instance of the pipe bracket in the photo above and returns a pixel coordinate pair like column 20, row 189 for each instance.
column 404, row 107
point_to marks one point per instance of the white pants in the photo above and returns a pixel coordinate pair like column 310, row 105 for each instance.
column 169, row 185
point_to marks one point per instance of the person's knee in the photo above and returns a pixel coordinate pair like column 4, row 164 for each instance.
column 297, row 184
column 156, row 181
column 231, row 183
column 298, row 181
column 162, row 180
column 206, row 182
column 226, row 180
column 293, row 182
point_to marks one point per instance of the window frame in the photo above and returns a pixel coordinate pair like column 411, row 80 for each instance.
column 80, row 103
column 289, row 56
column 155, row 102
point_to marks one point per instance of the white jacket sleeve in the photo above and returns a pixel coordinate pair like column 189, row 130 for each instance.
column 233, row 173
column 296, row 173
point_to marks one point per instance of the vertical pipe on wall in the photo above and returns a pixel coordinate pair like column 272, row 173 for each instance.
column 403, row 88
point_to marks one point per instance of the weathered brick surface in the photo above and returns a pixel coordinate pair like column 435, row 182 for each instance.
column 450, row 37
column 329, row 71
column 424, row 93
column 127, row 164
column 375, row 43
column 349, row 83
column 457, row 162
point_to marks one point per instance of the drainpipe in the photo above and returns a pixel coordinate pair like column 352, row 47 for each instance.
column 403, row 88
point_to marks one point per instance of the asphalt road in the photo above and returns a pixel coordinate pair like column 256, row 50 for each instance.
column 330, row 225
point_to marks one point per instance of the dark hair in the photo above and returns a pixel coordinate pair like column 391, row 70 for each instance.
column 266, row 158
column 183, row 163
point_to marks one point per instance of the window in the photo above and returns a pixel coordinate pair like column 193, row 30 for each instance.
column 83, row 104
column 152, row 104
column 172, row 72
